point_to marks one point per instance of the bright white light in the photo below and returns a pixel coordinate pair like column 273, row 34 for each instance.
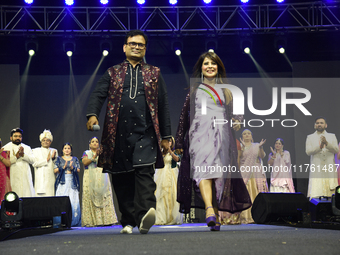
column 280, row 1
column 69, row 2
column 282, row 50
column 244, row 1
column 69, row 53
column 104, row 1
column 105, row 53
column 31, row 52
column 172, row 1
column 178, row 52
column 140, row 1
column 28, row 1
column 211, row 50
column 207, row 1
column 246, row 50
column 10, row 197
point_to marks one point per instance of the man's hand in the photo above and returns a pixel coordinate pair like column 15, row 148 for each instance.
column 323, row 142
column 92, row 121
column 20, row 152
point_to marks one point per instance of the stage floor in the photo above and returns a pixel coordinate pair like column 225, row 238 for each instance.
column 179, row 239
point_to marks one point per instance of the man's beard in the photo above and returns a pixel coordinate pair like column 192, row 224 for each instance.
column 17, row 142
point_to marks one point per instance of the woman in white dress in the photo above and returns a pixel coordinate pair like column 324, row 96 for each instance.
column 281, row 176
column 97, row 204
column 167, row 208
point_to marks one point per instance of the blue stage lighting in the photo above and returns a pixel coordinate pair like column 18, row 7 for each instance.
column 29, row 1
column 207, row 1
column 140, row 1
column 244, row 1
column 173, row 2
column 104, row 1
column 280, row 1
column 69, row 2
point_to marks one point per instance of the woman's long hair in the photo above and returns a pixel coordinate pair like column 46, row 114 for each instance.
column 221, row 73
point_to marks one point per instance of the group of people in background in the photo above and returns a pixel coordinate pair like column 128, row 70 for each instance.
column 56, row 175
column 157, row 178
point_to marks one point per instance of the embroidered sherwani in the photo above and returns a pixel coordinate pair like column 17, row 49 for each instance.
column 322, row 175
column 137, row 118
column 20, row 171
column 44, row 177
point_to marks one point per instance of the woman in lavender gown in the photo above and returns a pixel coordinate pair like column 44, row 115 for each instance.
column 281, row 179
column 209, row 149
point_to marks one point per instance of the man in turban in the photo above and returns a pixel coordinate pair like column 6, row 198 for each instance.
column 45, row 156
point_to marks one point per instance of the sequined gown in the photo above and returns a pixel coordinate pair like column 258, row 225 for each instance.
column 205, row 145
column 167, row 208
column 97, row 200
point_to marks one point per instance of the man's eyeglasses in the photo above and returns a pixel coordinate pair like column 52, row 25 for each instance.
column 134, row 45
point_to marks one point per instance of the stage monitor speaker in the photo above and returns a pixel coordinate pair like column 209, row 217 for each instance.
column 45, row 211
column 275, row 207
column 321, row 208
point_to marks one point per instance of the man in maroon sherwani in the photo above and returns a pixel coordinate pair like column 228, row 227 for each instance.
column 137, row 119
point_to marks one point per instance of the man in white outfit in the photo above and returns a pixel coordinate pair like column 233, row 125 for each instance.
column 21, row 157
column 321, row 147
column 44, row 157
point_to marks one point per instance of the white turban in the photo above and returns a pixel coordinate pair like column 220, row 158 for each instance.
column 46, row 134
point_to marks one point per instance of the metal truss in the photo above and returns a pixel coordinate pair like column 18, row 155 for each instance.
column 168, row 20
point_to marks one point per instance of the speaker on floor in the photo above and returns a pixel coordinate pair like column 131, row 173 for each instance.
column 46, row 211
column 278, row 207
column 321, row 208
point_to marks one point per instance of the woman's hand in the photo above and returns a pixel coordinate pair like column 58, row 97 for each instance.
column 262, row 142
column 236, row 124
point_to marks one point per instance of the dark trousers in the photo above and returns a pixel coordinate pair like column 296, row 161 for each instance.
column 135, row 192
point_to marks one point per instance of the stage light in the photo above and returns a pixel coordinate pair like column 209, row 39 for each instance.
column 337, row 197
column 173, row 2
column 280, row 1
column 177, row 46
column 105, row 47
column 280, row 42
column 211, row 45
column 246, row 44
column 207, row 1
column 104, row 2
column 336, row 201
column 69, row 2
column 29, row 1
column 31, row 47
column 140, row 1
column 244, row 1
column 69, row 47
column 11, row 211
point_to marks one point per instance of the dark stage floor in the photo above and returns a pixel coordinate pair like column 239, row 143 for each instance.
column 183, row 239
